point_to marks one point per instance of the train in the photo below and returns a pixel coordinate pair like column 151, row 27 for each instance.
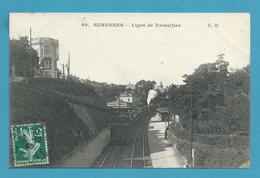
column 120, row 128
column 119, row 134
column 122, row 125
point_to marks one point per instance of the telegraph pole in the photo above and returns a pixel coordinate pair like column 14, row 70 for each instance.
column 68, row 66
column 30, row 45
column 192, row 153
column 63, row 72
column 64, row 83
column 68, row 75
column 119, row 105
column 30, row 37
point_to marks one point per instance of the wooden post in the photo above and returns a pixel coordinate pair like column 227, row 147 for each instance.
column 63, row 72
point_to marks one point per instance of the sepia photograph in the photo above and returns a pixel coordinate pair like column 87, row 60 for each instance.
column 129, row 90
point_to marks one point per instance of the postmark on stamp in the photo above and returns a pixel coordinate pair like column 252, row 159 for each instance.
column 29, row 144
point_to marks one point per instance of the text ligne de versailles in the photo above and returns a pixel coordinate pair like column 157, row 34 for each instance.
column 135, row 25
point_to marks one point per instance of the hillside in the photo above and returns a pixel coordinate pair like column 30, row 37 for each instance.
column 107, row 92
column 49, row 101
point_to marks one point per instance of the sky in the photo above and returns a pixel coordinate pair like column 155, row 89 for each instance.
column 128, row 53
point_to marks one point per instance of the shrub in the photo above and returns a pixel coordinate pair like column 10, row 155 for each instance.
column 212, row 151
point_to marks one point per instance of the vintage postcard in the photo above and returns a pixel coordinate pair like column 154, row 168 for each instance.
column 130, row 90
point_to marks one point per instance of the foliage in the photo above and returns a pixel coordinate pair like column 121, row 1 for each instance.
column 217, row 100
column 235, row 141
column 107, row 92
column 142, row 88
column 62, row 125
column 212, row 151
column 32, row 105
column 23, row 57
column 66, row 86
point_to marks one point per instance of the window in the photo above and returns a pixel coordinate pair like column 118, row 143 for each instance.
column 46, row 49
column 46, row 63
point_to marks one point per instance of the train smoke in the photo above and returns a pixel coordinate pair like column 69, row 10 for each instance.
column 151, row 95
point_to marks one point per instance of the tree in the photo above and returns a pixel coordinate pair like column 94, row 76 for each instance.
column 220, row 99
column 108, row 92
column 142, row 89
column 23, row 57
column 237, row 100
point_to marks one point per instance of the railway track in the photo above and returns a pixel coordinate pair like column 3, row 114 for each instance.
column 139, row 152
column 133, row 149
column 135, row 154
column 104, row 160
column 110, row 158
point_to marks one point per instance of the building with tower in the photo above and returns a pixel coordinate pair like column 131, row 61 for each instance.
column 48, row 52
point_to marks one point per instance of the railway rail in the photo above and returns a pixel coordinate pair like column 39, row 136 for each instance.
column 139, row 152
column 134, row 154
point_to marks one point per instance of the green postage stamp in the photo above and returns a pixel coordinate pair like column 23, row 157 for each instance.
column 29, row 144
